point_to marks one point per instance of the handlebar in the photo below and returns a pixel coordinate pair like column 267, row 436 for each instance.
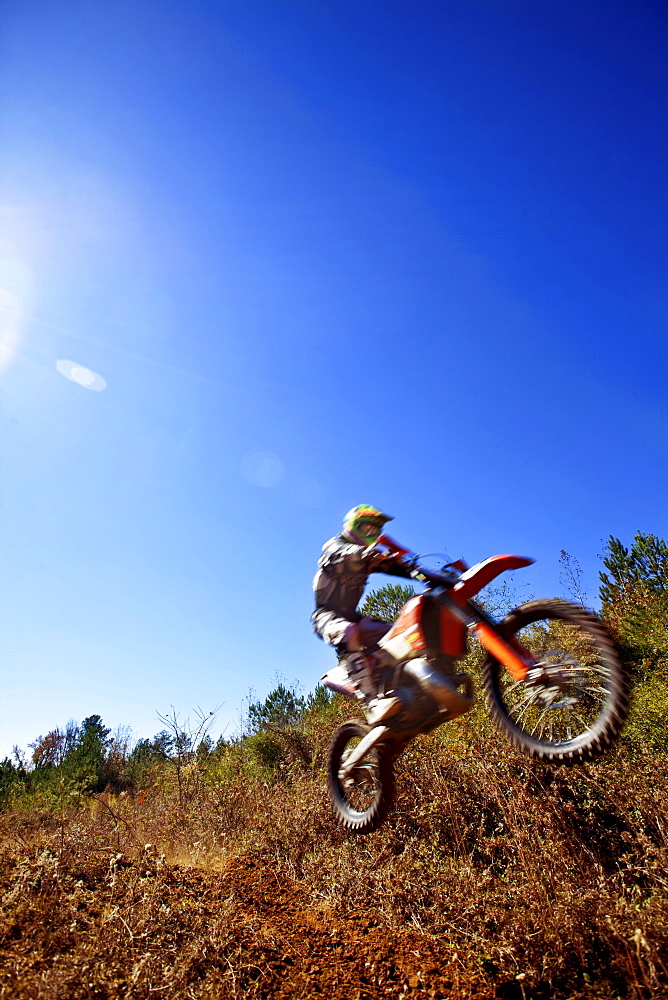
column 433, row 577
column 445, row 579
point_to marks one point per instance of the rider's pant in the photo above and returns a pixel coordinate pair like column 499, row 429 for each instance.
column 349, row 637
column 354, row 634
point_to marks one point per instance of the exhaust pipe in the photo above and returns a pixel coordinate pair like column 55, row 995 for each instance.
column 441, row 687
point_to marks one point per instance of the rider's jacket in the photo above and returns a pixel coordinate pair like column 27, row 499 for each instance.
column 343, row 569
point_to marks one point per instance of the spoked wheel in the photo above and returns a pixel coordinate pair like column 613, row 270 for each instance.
column 573, row 703
column 362, row 798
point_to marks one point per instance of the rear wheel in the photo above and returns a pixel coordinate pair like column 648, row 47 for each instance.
column 362, row 798
column 574, row 701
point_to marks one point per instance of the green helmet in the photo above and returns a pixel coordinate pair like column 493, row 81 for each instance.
column 363, row 524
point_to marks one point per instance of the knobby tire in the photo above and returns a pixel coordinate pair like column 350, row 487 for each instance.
column 379, row 764
column 601, row 676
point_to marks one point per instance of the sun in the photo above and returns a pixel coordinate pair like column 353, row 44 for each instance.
column 10, row 326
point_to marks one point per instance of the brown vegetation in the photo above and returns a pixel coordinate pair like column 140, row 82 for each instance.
column 495, row 877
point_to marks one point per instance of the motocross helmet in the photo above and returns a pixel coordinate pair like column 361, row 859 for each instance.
column 363, row 524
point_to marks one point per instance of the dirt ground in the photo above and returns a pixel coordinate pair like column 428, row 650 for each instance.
column 320, row 951
column 143, row 928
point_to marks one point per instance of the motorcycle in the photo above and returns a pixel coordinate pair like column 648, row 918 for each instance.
column 553, row 681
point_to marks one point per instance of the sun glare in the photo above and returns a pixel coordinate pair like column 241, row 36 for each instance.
column 10, row 325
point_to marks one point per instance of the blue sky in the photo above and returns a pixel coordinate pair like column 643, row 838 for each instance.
column 320, row 254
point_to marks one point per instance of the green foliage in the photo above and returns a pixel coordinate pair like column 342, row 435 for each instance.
column 320, row 701
column 278, row 738
column 146, row 758
column 162, row 745
column 70, row 765
column 282, row 707
column 639, row 623
column 84, row 764
column 75, row 759
column 204, row 748
column 634, row 596
column 264, row 749
column 275, row 735
column 144, row 750
column 647, row 728
column 386, row 602
column 13, row 782
column 644, row 566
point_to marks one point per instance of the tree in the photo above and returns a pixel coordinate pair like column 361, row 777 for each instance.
column 13, row 781
column 642, row 567
column 319, row 700
column 275, row 735
column 48, row 750
column 116, row 776
column 570, row 577
column 282, row 708
column 204, row 749
column 146, row 757
column 52, row 749
column 85, row 762
column 178, row 747
column 386, row 602
column 634, row 597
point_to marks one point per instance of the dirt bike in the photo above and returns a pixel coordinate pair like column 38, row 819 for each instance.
column 551, row 675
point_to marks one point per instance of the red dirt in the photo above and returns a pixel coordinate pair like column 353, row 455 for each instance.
column 322, row 951
column 144, row 929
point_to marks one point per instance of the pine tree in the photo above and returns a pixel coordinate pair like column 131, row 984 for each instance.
column 282, row 707
column 644, row 566
column 634, row 597
column 386, row 603
column 84, row 764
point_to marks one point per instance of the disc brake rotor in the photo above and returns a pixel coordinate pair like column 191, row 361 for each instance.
column 552, row 676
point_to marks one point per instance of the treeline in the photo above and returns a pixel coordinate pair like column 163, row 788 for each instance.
column 67, row 765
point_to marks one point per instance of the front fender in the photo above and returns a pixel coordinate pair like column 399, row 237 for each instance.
column 474, row 579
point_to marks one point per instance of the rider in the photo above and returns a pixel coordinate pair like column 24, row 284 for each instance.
column 343, row 569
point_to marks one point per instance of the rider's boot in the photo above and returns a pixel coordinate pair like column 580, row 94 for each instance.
column 378, row 708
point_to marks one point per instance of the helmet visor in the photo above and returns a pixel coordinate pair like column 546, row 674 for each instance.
column 368, row 530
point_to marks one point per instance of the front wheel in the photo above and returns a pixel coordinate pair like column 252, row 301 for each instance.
column 363, row 798
column 573, row 703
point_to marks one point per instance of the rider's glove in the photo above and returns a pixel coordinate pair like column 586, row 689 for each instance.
column 396, row 564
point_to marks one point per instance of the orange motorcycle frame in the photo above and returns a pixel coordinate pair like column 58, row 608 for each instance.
column 456, row 614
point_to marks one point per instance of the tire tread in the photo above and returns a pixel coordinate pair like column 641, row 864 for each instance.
column 375, row 815
column 615, row 711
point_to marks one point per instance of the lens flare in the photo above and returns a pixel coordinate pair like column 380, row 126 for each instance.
column 263, row 469
column 81, row 375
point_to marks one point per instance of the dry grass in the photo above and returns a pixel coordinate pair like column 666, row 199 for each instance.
column 514, row 879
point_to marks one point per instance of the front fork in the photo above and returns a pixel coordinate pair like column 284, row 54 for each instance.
column 517, row 660
column 516, row 664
